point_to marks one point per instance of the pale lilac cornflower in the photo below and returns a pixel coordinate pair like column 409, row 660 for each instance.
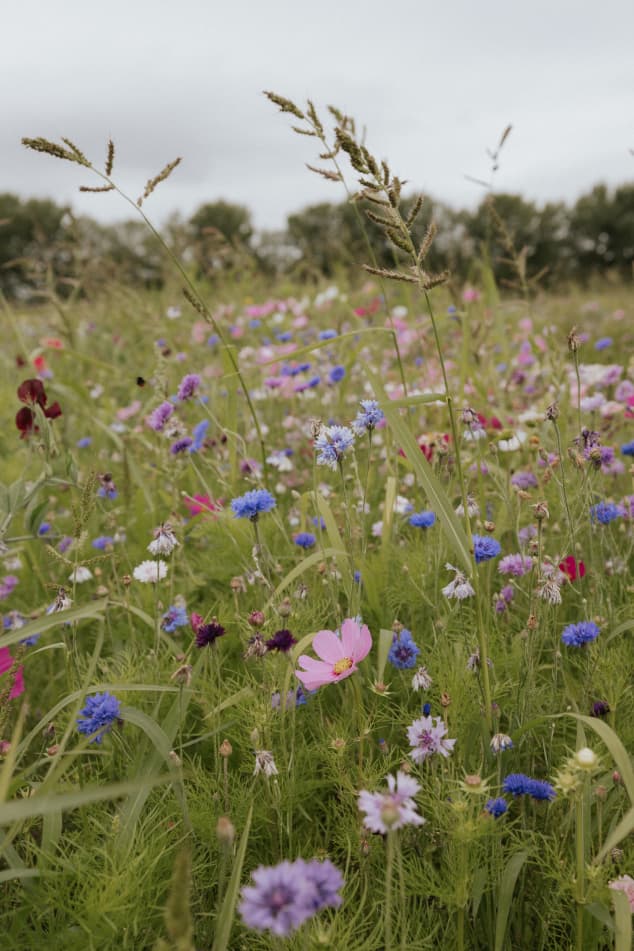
column 391, row 810
column 460, row 588
column 426, row 739
column 473, row 508
column 624, row 883
column 516, row 565
column 286, row 895
column 501, row 742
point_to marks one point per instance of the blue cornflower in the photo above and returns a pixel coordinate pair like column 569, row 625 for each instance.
column 44, row 528
column 84, row 442
column 174, row 617
column 199, row 433
column 213, row 340
column 100, row 712
column 426, row 709
column 603, row 343
column 404, row 650
column 356, row 577
column 304, row 539
column 318, row 522
column 252, row 504
column 518, row 784
column 485, row 548
column 422, row 519
column 628, row 448
column 284, row 336
column 336, row 374
column 576, row 635
column 368, row 417
column 327, row 334
column 496, row 807
column 331, row 443
column 107, row 492
column 102, row 542
column 605, row 512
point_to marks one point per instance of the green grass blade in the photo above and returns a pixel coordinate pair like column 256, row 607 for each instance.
column 622, row 922
column 510, row 875
column 93, row 609
column 20, row 809
column 344, row 560
column 227, row 912
column 303, row 566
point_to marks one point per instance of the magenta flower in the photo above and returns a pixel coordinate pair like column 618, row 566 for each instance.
column 17, row 678
column 339, row 655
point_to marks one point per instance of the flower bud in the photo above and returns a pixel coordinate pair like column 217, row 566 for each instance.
column 585, row 758
column 225, row 748
column 225, row 830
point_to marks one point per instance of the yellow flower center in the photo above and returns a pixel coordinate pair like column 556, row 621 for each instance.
column 344, row 664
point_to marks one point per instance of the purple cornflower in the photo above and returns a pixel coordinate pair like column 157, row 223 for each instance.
column 368, row 417
column 281, row 641
column 207, row 634
column 331, row 443
column 100, row 712
column 252, row 504
column 600, row 708
column 8, row 585
column 188, row 386
column 605, row 512
column 304, row 539
column 387, row 811
column 422, row 519
column 404, row 651
column 524, row 480
column 181, row 445
column 159, row 416
column 102, row 542
column 518, row 784
column 425, row 738
column 485, row 548
column 496, row 807
column 284, row 896
column 576, row 635
column 516, row 565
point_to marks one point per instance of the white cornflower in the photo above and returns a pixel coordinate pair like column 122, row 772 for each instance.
column 150, row 571
column 421, row 679
column 392, row 809
column 402, row 506
column 264, row 763
column 472, row 507
column 501, row 742
column 80, row 574
column 165, row 540
column 460, row 587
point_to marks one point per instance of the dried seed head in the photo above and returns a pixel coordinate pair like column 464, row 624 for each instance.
column 225, row 749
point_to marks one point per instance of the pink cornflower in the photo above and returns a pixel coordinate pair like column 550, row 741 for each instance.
column 339, row 655
column 387, row 811
column 425, row 738
column 6, row 663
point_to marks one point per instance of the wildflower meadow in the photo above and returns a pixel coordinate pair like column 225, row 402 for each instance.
column 317, row 600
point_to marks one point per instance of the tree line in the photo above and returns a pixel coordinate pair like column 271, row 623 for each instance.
column 44, row 246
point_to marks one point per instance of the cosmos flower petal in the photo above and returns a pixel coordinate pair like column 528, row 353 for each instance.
column 327, row 645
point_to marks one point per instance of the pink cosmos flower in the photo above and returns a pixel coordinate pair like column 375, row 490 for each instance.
column 339, row 655
column 6, row 663
column 625, row 883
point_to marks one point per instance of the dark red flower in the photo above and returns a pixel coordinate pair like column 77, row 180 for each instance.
column 572, row 568
column 32, row 393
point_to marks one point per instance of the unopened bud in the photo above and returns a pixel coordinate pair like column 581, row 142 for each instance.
column 616, row 777
column 397, row 627
column 126, row 580
column 285, row 608
column 489, row 526
column 256, row 618
column 225, row 749
column 585, row 758
column 445, row 699
column 225, row 830
column 53, row 750
column 174, row 759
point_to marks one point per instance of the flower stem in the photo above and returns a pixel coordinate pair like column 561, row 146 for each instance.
column 389, row 872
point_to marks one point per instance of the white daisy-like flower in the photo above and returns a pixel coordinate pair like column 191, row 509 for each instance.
column 150, row 571
column 80, row 574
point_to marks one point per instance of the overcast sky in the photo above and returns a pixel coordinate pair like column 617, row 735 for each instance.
column 433, row 81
